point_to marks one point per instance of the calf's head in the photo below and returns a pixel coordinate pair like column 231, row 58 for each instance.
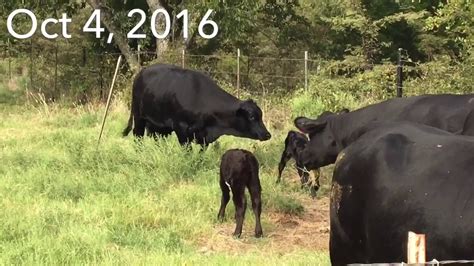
column 322, row 148
column 249, row 121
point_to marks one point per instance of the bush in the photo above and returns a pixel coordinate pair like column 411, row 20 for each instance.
column 328, row 93
column 288, row 205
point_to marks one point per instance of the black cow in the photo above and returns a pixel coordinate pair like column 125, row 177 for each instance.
column 399, row 177
column 295, row 142
column 167, row 98
column 239, row 169
column 327, row 133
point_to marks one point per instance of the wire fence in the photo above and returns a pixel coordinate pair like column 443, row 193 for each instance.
column 58, row 69
column 428, row 263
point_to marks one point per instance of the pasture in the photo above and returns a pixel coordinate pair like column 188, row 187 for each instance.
column 65, row 201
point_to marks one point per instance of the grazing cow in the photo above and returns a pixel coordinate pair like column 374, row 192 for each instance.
column 168, row 99
column 327, row 133
column 398, row 177
column 239, row 169
column 294, row 145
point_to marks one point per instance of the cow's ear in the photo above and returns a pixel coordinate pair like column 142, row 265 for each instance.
column 344, row 110
column 241, row 111
column 307, row 125
column 250, row 101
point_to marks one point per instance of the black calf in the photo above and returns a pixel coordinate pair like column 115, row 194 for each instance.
column 239, row 169
column 295, row 142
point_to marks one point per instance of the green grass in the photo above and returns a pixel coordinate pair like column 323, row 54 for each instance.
column 65, row 201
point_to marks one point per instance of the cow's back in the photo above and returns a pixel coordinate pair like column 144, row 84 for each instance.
column 398, row 179
column 181, row 89
column 447, row 111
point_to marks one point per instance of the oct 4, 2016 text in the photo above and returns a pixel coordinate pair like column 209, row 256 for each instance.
column 94, row 25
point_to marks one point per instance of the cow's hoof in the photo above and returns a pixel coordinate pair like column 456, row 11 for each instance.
column 259, row 234
column 236, row 235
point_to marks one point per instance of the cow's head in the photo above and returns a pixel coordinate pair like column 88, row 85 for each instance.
column 322, row 148
column 249, row 121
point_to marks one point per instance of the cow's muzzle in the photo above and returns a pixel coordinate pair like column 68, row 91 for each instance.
column 265, row 136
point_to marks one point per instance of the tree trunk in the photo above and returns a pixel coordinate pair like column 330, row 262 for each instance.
column 120, row 38
column 162, row 45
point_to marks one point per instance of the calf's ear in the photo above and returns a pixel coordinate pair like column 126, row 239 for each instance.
column 307, row 125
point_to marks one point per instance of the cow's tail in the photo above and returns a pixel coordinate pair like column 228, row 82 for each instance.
column 129, row 127
column 134, row 105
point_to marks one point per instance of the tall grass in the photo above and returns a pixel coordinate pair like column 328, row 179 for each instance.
column 66, row 201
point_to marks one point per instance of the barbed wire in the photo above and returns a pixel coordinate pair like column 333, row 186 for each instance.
column 283, row 72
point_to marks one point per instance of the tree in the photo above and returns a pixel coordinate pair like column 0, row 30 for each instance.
column 119, row 36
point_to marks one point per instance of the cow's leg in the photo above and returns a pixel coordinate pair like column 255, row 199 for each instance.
column 158, row 132
column 238, row 196
column 285, row 157
column 255, row 196
column 224, row 199
column 304, row 177
column 183, row 138
column 139, row 128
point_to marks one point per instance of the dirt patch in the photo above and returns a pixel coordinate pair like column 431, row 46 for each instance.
column 282, row 233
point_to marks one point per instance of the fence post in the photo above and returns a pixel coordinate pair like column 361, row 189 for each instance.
column 183, row 54
column 306, row 70
column 238, row 73
column 138, row 55
column 265, row 104
column 84, row 56
column 109, row 98
column 56, row 70
column 9, row 61
column 399, row 74
column 31, row 64
column 101, row 76
column 416, row 248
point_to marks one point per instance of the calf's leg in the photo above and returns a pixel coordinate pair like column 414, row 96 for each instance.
column 224, row 199
column 304, row 177
column 285, row 157
column 238, row 196
column 255, row 195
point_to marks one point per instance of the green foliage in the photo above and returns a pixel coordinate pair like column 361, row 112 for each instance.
column 452, row 29
column 328, row 93
column 353, row 36
column 288, row 205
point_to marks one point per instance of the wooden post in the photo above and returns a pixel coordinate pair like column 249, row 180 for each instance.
column 238, row 73
column 31, row 64
column 138, row 55
column 101, row 76
column 183, row 54
column 399, row 74
column 9, row 61
column 416, row 252
column 264, row 104
column 108, row 99
column 56, row 71
column 306, row 70
column 84, row 56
